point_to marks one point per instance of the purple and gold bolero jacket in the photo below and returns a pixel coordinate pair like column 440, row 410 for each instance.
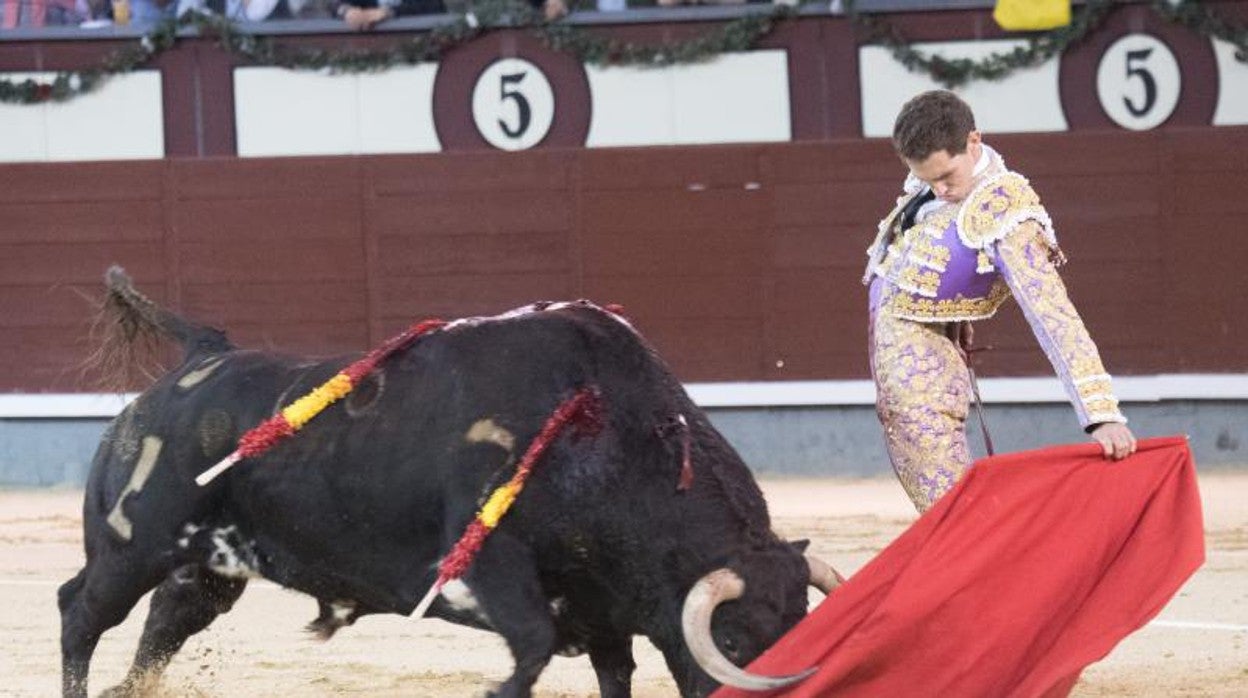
column 963, row 260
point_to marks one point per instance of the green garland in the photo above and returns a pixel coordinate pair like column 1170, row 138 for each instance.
column 1039, row 49
column 959, row 71
column 1201, row 19
column 740, row 34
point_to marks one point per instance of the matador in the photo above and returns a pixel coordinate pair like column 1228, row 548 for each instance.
column 966, row 234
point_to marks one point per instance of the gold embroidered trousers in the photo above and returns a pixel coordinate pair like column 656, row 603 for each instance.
column 922, row 396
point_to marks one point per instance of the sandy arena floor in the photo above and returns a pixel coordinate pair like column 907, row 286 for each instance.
column 1196, row 647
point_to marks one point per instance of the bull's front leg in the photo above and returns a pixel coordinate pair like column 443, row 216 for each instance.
column 613, row 663
column 504, row 580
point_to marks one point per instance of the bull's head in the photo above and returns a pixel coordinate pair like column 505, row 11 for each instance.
column 758, row 598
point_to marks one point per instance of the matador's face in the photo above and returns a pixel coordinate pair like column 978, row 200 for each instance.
column 950, row 175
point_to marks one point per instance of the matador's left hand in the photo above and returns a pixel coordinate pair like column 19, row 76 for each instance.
column 1116, row 440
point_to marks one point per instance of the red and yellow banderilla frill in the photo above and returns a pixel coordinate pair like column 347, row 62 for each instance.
column 294, row 416
column 583, row 409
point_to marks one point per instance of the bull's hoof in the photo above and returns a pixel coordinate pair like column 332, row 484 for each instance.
column 323, row 629
column 506, row 691
column 134, row 687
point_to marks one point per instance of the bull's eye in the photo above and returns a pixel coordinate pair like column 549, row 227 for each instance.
column 730, row 648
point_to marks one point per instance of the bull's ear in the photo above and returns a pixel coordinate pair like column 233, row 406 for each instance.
column 800, row 545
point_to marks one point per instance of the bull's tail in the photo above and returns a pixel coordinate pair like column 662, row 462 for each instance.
column 131, row 329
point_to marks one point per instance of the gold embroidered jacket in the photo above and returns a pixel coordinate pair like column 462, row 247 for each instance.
column 962, row 261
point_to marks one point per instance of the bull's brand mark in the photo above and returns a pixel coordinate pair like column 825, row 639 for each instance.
column 488, row 431
column 117, row 518
column 197, row 375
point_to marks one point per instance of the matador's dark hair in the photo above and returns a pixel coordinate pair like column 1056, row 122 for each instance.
column 931, row 122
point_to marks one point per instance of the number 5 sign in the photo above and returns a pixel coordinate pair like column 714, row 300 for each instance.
column 513, row 104
column 1138, row 82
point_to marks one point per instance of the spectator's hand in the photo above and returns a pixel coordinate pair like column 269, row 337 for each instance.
column 554, row 9
column 1116, row 440
column 365, row 18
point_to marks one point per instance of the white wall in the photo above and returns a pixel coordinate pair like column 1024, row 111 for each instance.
column 1232, row 106
column 122, row 120
column 1027, row 101
column 736, row 98
column 285, row 112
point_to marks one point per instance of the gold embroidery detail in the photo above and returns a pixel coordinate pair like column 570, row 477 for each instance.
column 921, row 281
column 1103, row 406
column 1095, row 387
column 936, row 223
column 915, row 260
column 983, row 265
column 926, row 252
column 1084, row 366
column 904, row 305
column 987, row 209
column 923, row 395
column 1043, row 296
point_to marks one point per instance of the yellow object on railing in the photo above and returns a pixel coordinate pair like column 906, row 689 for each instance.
column 1032, row 15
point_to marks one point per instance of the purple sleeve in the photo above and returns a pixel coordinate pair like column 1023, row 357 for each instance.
column 1022, row 257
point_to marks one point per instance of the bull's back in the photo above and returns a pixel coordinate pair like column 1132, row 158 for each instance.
column 382, row 483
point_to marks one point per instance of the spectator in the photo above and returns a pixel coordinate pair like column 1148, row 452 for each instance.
column 303, row 9
column 135, row 11
column 39, row 13
column 238, row 10
column 362, row 15
column 551, row 9
column 672, row 3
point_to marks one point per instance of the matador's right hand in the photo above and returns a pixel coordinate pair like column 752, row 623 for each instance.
column 1116, row 440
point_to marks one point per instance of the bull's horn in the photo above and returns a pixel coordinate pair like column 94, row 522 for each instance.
column 822, row 576
column 695, row 620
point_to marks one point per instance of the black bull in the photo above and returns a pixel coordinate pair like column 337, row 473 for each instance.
column 357, row 508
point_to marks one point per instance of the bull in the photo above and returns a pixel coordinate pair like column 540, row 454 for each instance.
column 356, row 510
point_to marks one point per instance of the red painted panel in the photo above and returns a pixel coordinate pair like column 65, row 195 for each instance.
column 82, row 221
column 48, row 305
column 324, row 255
column 246, row 302
column 294, row 219
column 451, row 255
column 57, row 264
column 442, row 213
column 468, row 172
column 673, row 252
column 727, row 167
column 686, row 297
column 81, row 181
column 707, row 349
column 312, row 339
column 855, row 160
column 661, row 211
column 845, row 202
column 309, row 261
column 463, row 294
column 262, row 178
